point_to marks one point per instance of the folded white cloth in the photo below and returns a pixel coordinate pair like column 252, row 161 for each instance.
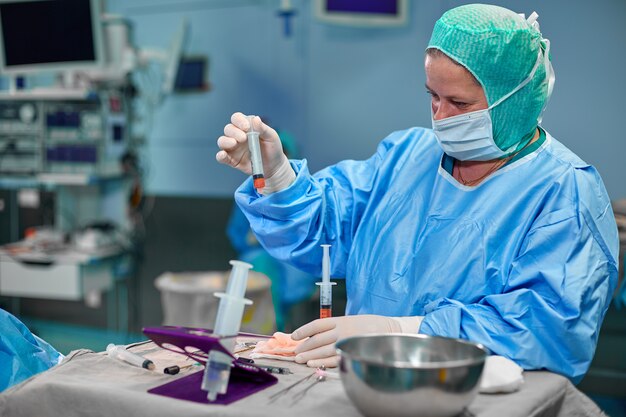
column 501, row 375
column 255, row 355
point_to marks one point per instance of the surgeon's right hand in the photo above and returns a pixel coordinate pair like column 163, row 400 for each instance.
column 234, row 151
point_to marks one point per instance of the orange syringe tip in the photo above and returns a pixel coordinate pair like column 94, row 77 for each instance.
column 259, row 183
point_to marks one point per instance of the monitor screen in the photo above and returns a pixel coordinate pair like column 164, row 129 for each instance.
column 370, row 7
column 49, row 35
column 363, row 12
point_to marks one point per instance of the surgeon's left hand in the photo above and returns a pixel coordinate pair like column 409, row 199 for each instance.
column 319, row 349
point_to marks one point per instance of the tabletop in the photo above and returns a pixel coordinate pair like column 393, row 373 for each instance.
column 90, row 383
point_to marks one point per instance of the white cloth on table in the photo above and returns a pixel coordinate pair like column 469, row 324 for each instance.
column 501, row 375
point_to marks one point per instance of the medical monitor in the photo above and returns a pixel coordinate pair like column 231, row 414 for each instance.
column 377, row 13
column 50, row 35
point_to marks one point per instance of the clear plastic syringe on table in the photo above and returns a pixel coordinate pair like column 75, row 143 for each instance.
column 254, row 146
column 227, row 323
column 120, row 352
column 326, row 286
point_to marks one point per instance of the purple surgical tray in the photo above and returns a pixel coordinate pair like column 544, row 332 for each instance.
column 244, row 379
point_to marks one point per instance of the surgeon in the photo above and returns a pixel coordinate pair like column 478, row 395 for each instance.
column 484, row 227
column 22, row 354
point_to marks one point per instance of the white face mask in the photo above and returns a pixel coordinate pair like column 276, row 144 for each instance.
column 469, row 136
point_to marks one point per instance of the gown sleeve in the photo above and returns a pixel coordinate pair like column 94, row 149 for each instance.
column 324, row 208
column 558, row 291
column 22, row 354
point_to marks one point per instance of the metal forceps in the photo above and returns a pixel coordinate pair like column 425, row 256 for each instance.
column 285, row 390
column 301, row 394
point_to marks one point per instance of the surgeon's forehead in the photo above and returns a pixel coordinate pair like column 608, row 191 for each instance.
column 445, row 77
column 450, row 64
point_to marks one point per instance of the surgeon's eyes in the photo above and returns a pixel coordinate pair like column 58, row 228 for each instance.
column 460, row 104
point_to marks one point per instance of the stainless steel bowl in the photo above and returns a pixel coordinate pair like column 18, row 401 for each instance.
column 397, row 375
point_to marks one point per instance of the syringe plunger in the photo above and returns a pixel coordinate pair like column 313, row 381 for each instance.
column 326, row 263
column 238, row 279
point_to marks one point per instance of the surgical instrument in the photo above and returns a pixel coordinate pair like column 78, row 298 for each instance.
column 326, row 289
column 320, row 377
column 275, row 369
column 267, row 368
column 285, row 390
column 300, row 395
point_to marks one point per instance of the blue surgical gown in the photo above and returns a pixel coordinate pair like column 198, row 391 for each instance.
column 22, row 354
column 524, row 263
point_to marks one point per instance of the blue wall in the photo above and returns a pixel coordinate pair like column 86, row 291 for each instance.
column 340, row 90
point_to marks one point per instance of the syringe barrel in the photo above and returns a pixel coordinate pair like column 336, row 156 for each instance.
column 120, row 353
column 216, row 374
column 229, row 314
column 326, row 294
column 255, row 153
column 255, row 149
column 326, row 291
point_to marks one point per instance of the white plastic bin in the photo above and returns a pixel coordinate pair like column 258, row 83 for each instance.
column 187, row 300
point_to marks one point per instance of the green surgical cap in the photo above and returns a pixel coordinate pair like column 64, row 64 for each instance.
column 500, row 48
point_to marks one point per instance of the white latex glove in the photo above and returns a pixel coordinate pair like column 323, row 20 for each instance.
column 234, row 152
column 319, row 349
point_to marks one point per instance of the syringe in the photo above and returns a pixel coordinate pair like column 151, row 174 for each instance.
column 120, row 352
column 258, row 177
column 326, row 286
column 227, row 323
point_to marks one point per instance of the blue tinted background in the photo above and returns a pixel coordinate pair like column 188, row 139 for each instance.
column 339, row 90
